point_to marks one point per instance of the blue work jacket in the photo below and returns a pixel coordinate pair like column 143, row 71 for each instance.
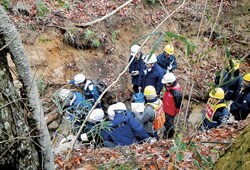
column 136, row 65
column 152, row 77
column 232, row 85
column 240, row 108
column 90, row 92
column 164, row 61
column 124, row 130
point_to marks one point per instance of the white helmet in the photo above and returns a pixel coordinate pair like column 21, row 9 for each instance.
column 168, row 78
column 120, row 106
column 79, row 78
column 113, row 107
column 97, row 115
column 150, row 60
column 63, row 93
column 135, row 49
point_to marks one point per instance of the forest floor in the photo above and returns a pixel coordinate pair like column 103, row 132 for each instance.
column 58, row 49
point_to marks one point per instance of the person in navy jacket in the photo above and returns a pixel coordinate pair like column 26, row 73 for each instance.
column 124, row 130
column 90, row 132
column 75, row 105
column 231, row 81
column 240, row 108
column 151, row 74
column 89, row 89
column 135, row 66
column 167, row 60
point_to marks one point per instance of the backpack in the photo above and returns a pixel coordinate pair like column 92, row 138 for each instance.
column 101, row 86
column 160, row 117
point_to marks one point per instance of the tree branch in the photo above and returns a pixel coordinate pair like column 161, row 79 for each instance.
column 104, row 17
column 165, row 9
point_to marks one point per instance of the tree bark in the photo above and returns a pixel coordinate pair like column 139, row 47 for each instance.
column 12, row 42
column 238, row 155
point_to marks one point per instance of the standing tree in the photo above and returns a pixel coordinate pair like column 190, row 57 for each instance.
column 24, row 137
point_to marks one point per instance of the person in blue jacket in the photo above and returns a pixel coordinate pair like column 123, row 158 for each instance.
column 240, row 108
column 92, row 129
column 231, row 81
column 135, row 66
column 167, row 60
column 88, row 88
column 124, row 130
column 75, row 105
column 151, row 74
column 216, row 111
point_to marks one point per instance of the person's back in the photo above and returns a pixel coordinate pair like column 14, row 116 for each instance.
column 124, row 130
column 91, row 131
column 240, row 108
column 91, row 92
column 231, row 81
column 88, row 88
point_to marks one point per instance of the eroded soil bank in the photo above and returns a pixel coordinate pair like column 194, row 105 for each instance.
column 46, row 41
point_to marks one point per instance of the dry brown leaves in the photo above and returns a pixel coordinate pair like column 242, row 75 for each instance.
column 155, row 156
column 75, row 11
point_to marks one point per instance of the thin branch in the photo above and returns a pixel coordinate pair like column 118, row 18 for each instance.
column 216, row 20
column 204, row 11
column 111, row 85
column 13, row 101
column 8, row 42
column 165, row 9
column 104, row 17
column 63, row 28
column 216, row 142
column 213, row 27
column 7, row 149
column 189, row 98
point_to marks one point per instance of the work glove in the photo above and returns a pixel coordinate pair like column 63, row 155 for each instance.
column 84, row 137
column 151, row 140
column 169, row 68
column 135, row 73
column 139, row 88
column 67, row 139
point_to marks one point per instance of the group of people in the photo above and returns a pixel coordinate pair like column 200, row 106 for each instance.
column 232, row 95
column 155, row 72
column 150, row 75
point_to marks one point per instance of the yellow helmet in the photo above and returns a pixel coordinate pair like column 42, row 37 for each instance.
column 217, row 93
column 149, row 90
column 247, row 77
column 236, row 64
column 169, row 49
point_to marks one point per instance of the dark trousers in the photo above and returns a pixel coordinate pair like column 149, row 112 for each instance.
column 136, row 88
column 169, row 125
column 240, row 116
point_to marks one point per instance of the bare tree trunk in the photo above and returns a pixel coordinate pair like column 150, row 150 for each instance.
column 16, row 147
column 13, row 43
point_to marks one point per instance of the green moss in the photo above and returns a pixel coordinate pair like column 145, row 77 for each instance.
column 238, row 155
